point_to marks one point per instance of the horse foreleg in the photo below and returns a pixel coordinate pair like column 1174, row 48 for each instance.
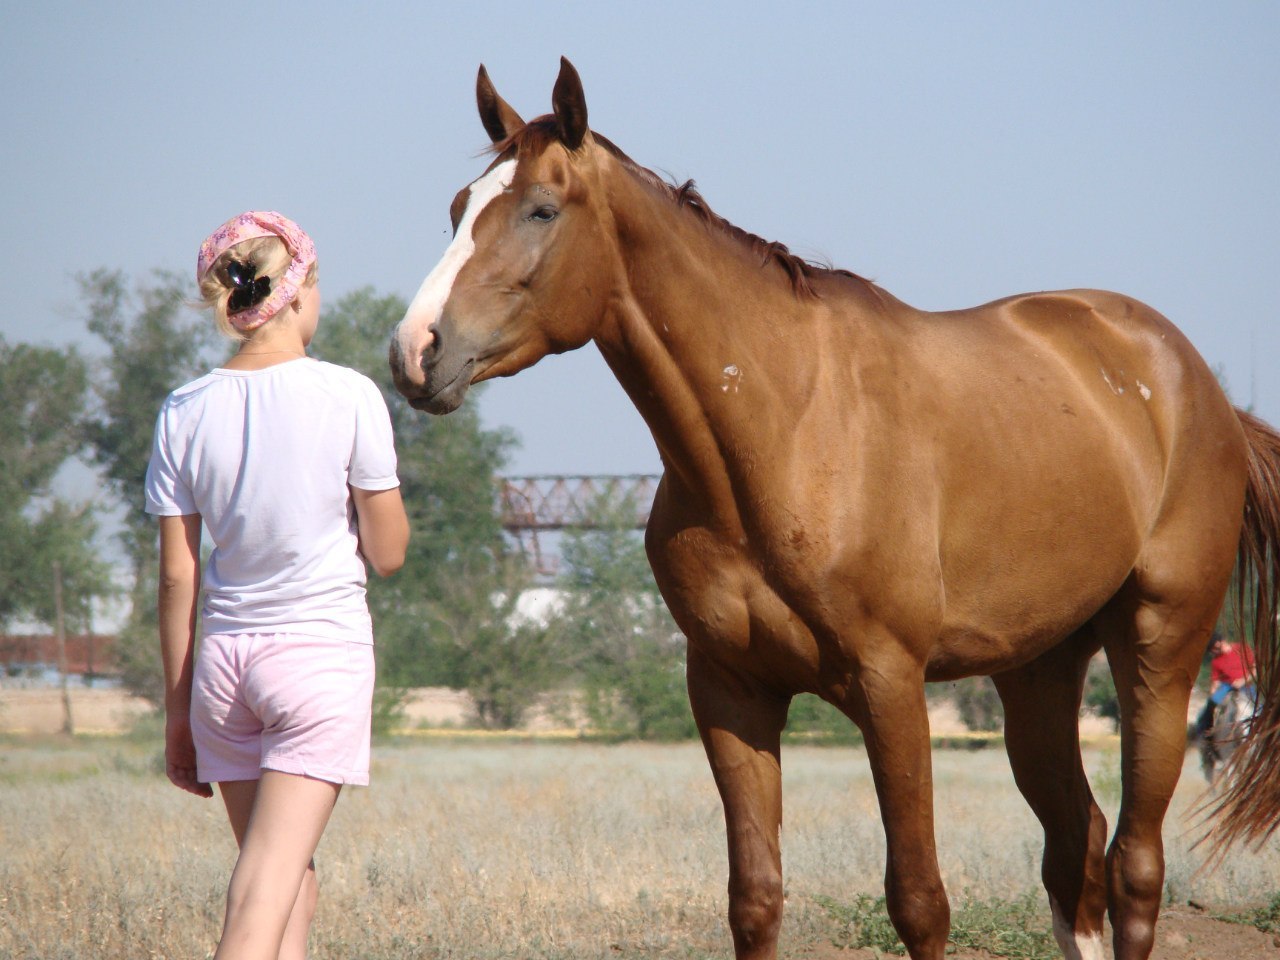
column 741, row 725
column 888, row 704
column 1042, row 737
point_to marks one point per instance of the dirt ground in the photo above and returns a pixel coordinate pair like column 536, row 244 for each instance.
column 1184, row 932
column 1190, row 933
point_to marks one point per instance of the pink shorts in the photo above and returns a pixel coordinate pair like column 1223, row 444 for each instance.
column 282, row 701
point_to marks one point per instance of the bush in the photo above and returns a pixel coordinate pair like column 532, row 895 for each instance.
column 812, row 718
column 388, row 709
column 979, row 704
column 1100, row 691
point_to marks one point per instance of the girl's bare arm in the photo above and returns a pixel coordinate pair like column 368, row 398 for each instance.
column 176, row 600
column 383, row 528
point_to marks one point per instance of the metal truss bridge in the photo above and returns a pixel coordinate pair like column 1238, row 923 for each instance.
column 550, row 504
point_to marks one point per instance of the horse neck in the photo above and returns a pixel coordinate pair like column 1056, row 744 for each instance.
column 711, row 345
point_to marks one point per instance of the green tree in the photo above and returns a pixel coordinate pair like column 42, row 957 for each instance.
column 153, row 345
column 618, row 631
column 42, row 396
column 65, row 534
column 503, row 659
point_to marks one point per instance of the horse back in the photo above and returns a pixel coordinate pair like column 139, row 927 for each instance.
column 1084, row 386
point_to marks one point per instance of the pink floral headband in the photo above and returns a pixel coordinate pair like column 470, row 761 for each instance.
column 262, row 302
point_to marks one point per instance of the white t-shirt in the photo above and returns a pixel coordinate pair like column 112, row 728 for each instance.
column 265, row 457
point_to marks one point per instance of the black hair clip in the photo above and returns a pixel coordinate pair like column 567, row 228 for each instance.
column 248, row 291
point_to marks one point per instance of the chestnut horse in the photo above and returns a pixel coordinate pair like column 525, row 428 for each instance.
column 860, row 497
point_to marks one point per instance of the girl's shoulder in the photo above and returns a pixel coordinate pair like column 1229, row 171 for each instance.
column 189, row 391
column 339, row 376
column 334, row 371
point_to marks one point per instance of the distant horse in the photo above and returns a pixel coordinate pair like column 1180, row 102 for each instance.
column 860, row 497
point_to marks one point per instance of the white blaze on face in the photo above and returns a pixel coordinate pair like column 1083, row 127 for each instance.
column 414, row 332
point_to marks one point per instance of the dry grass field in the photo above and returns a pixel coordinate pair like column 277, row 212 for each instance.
column 473, row 849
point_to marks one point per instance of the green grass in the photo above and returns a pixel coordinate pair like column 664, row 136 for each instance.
column 1266, row 919
column 1018, row 929
column 863, row 923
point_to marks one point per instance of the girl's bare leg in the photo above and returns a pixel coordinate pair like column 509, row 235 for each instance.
column 278, row 821
column 294, row 944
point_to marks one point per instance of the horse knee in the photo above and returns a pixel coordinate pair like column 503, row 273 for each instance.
column 755, row 910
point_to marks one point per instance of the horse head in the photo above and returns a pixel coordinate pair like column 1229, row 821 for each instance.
column 527, row 271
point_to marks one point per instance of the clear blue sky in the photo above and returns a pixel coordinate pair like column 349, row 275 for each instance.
column 954, row 152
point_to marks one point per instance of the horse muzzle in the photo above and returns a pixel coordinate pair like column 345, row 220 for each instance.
column 436, row 380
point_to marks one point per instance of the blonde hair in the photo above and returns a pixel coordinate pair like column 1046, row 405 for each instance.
column 268, row 256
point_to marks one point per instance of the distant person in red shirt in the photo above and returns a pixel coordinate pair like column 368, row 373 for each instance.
column 1230, row 669
column 1231, row 666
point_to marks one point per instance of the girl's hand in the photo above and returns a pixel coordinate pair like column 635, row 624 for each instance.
column 180, row 756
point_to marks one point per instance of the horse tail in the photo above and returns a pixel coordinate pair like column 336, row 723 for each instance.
column 1249, row 807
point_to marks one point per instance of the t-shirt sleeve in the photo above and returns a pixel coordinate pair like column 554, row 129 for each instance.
column 167, row 495
column 373, row 452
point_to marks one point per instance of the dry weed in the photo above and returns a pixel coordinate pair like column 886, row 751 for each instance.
column 491, row 850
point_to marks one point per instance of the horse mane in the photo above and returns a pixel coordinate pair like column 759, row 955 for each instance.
column 538, row 134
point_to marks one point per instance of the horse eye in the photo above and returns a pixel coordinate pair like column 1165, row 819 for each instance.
column 544, row 214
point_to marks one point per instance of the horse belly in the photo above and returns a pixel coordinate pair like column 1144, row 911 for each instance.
column 1028, row 554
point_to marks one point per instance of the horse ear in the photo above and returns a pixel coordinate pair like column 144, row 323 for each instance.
column 500, row 121
column 570, row 106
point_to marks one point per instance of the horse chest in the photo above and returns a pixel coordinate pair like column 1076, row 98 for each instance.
column 734, row 609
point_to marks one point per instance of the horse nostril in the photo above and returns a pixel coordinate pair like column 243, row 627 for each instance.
column 431, row 352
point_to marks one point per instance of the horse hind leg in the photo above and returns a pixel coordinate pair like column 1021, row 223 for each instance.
column 1042, row 737
column 1154, row 646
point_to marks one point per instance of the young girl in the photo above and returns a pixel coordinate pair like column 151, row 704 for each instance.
column 289, row 464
